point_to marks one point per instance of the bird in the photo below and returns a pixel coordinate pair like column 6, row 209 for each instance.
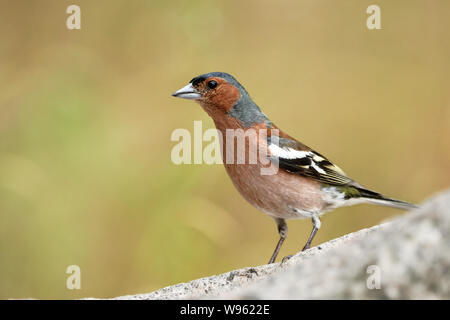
column 305, row 185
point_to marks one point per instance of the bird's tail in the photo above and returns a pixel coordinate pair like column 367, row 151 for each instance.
column 376, row 198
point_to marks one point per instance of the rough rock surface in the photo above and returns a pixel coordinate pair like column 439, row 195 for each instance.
column 406, row 258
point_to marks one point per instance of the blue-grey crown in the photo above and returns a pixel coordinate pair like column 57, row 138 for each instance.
column 228, row 77
column 244, row 109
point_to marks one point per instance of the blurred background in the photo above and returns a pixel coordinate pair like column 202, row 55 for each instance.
column 86, row 118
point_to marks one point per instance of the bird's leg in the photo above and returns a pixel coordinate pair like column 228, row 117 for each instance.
column 316, row 226
column 283, row 231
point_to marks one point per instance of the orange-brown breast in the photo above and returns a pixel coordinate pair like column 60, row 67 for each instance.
column 275, row 194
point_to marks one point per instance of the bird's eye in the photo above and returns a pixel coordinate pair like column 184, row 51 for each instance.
column 212, row 84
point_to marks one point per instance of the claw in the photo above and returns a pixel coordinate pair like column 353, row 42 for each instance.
column 285, row 259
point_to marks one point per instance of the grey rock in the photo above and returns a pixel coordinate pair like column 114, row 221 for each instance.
column 405, row 258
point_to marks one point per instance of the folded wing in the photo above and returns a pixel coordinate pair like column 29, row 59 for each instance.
column 293, row 157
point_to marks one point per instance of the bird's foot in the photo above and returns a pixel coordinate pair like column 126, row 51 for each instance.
column 285, row 259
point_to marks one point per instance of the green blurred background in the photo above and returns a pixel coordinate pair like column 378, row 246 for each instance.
column 86, row 117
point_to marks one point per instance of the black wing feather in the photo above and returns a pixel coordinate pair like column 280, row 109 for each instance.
column 305, row 166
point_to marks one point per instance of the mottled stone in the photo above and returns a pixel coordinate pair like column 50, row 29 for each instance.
column 410, row 256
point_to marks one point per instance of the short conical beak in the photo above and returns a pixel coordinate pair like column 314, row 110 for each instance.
column 187, row 92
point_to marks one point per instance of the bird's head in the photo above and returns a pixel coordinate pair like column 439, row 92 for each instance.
column 220, row 94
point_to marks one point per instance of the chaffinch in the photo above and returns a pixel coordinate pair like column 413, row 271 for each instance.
column 306, row 184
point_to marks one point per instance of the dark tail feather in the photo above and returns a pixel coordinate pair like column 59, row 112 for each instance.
column 377, row 198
